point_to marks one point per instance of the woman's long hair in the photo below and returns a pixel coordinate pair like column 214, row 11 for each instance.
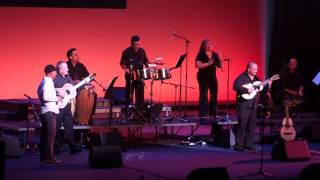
column 202, row 48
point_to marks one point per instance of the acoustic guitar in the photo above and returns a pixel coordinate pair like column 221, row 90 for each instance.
column 70, row 91
column 287, row 131
column 258, row 86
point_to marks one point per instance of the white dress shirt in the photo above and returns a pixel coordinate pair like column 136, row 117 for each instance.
column 48, row 96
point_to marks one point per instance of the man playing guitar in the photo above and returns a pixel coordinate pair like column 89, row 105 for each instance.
column 246, row 108
column 65, row 115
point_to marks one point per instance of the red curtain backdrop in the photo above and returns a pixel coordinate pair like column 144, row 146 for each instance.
column 34, row 37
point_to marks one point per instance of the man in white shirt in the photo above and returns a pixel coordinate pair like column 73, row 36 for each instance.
column 49, row 110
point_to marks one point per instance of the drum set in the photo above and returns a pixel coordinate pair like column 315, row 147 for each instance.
column 84, row 104
column 152, row 73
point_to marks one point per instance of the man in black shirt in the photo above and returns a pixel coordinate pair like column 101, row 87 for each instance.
column 291, row 81
column 77, row 71
column 65, row 115
column 246, row 109
column 134, row 58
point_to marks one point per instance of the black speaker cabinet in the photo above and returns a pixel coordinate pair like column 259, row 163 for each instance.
column 219, row 173
column 291, row 151
column 311, row 171
column 222, row 135
column 105, row 157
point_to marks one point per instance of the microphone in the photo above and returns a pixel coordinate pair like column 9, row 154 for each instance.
column 173, row 34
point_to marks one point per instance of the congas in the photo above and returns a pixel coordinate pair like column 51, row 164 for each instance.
column 163, row 74
column 84, row 106
column 145, row 74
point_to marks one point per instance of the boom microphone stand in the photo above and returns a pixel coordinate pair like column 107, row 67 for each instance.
column 187, row 43
column 261, row 171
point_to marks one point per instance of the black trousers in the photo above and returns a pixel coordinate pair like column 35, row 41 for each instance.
column 65, row 117
column 244, row 130
column 137, row 88
column 47, row 135
column 206, row 84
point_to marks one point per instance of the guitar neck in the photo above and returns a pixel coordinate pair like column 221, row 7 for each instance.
column 79, row 84
column 264, row 83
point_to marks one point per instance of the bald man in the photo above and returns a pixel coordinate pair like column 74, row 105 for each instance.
column 246, row 109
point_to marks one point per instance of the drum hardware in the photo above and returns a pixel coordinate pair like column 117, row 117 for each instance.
column 174, row 117
column 131, row 112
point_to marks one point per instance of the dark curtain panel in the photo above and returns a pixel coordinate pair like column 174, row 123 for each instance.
column 293, row 31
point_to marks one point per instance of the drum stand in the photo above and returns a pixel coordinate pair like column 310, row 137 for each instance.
column 151, row 100
column 130, row 108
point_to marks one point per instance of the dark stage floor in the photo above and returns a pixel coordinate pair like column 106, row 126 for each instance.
column 156, row 162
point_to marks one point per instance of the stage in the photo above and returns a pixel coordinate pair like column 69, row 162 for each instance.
column 167, row 87
column 155, row 150
column 169, row 161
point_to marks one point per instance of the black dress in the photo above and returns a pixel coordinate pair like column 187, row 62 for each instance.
column 207, row 80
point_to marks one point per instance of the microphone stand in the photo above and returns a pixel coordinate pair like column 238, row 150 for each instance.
column 261, row 170
column 27, row 122
column 226, row 118
column 187, row 43
column 100, row 85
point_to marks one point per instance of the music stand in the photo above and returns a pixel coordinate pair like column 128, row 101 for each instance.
column 108, row 95
column 180, row 61
column 316, row 79
column 178, row 65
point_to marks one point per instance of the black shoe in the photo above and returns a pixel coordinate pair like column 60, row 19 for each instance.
column 250, row 148
column 238, row 148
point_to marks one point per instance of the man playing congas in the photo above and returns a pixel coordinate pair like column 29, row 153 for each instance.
column 86, row 99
